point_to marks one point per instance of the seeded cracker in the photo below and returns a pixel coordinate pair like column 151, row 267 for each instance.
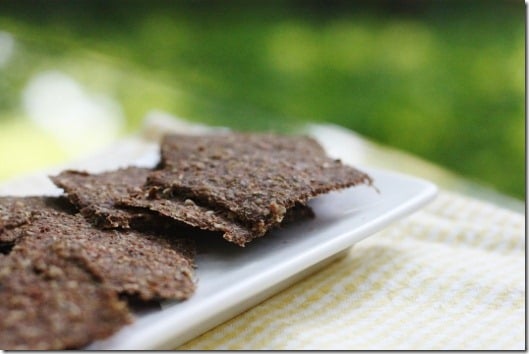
column 96, row 194
column 49, row 301
column 186, row 211
column 59, row 284
column 105, row 200
column 15, row 211
column 253, row 178
column 18, row 211
column 140, row 264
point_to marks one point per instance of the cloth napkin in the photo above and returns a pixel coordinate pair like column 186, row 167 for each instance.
column 448, row 277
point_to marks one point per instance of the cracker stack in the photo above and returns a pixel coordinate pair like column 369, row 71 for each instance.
column 71, row 266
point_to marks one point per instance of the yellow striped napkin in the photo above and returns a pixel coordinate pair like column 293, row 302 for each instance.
column 448, row 277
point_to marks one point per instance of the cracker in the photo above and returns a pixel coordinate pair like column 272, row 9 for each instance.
column 254, row 178
column 105, row 199
column 16, row 212
column 96, row 194
column 187, row 212
column 142, row 264
column 49, row 301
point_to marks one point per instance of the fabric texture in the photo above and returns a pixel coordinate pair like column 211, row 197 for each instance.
column 451, row 276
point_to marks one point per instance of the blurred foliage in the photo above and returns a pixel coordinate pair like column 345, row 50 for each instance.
column 441, row 79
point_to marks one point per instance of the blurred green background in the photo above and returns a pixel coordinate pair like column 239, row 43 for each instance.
column 444, row 80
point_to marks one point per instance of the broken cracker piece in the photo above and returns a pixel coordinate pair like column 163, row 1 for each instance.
column 51, row 302
column 142, row 264
column 96, row 194
column 16, row 212
column 253, row 178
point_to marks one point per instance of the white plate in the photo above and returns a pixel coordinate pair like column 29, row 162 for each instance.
column 232, row 279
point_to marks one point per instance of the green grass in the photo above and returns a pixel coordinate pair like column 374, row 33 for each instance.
column 443, row 80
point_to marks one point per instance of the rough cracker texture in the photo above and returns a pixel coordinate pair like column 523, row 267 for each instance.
column 51, row 302
column 59, row 284
column 18, row 211
column 96, row 194
column 115, row 199
column 106, row 200
column 130, row 262
column 186, row 211
column 15, row 212
column 255, row 142
column 255, row 178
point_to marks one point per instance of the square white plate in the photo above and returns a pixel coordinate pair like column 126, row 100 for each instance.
column 232, row 279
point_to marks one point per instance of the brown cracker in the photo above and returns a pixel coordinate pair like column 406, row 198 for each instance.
column 106, row 200
column 16, row 212
column 59, row 285
column 142, row 264
column 186, row 211
column 49, row 301
column 96, row 194
column 254, row 178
